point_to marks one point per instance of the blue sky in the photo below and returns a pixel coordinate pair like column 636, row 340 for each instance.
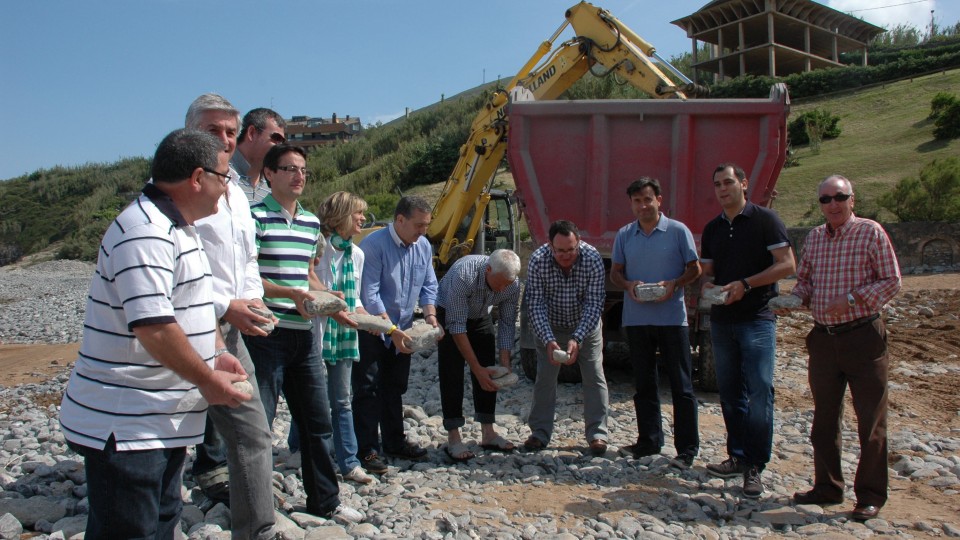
column 99, row 80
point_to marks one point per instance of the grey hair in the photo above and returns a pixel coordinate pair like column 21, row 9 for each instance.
column 409, row 203
column 208, row 102
column 183, row 151
column 841, row 178
column 504, row 262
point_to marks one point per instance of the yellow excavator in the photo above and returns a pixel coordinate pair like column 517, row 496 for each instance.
column 603, row 45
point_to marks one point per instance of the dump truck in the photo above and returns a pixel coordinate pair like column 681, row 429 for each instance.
column 574, row 160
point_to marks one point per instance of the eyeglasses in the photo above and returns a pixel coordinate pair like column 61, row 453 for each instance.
column 277, row 138
column 566, row 251
column 839, row 197
column 293, row 169
column 225, row 177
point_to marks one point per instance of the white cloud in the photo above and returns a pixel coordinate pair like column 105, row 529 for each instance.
column 875, row 12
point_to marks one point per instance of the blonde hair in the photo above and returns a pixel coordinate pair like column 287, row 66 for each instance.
column 335, row 211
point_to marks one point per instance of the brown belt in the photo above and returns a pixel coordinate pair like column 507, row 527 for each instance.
column 847, row 326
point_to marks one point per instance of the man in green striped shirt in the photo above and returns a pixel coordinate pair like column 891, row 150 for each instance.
column 289, row 358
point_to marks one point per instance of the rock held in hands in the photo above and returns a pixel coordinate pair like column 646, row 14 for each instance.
column 323, row 303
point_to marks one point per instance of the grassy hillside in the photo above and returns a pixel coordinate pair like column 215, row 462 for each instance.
column 885, row 137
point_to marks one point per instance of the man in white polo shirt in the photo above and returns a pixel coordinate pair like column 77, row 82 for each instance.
column 139, row 391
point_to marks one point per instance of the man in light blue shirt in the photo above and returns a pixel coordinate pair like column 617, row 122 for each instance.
column 397, row 273
column 657, row 250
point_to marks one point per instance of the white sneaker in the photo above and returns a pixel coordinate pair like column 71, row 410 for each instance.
column 359, row 476
column 346, row 515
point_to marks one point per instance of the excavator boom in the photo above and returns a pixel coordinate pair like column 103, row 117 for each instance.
column 601, row 42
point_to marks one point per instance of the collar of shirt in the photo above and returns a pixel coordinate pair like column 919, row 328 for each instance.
column 747, row 211
column 396, row 237
column 840, row 231
column 274, row 206
column 661, row 225
column 164, row 203
column 240, row 164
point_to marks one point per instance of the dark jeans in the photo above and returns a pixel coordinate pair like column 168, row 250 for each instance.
column 291, row 359
column 450, row 370
column 858, row 358
column 674, row 345
column 744, row 354
column 379, row 382
column 133, row 494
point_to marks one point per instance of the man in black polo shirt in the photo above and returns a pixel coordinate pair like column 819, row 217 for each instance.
column 747, row 251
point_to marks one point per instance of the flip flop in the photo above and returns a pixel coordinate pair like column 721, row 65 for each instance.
column 458, row 452
column 499, row 444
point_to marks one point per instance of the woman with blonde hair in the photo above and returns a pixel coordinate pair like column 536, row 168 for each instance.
column 340, row 268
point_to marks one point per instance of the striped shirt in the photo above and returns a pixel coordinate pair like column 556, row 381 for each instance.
column 286, row 246
column 555, row 298
column 151, row 270
column 464, row 293
column 858, row 258
column 254, row 193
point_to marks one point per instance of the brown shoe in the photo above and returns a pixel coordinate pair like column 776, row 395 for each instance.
column 598, row 447
column 863, row 512
column 533, row 444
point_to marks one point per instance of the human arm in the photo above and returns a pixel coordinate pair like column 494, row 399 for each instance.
column 619, row 279
column 783, row 265
column 483, row 376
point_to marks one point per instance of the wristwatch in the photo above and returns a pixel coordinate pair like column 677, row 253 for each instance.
column 851, row 300
column 746, row 286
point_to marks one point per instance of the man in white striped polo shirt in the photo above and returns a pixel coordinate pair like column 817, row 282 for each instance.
column 290, row 356
column 139, row 392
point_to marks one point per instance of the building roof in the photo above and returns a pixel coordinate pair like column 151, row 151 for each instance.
column 703, row 24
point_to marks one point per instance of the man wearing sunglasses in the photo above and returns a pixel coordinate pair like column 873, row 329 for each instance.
column 262, row 129
column 746, row 250
column 847, row 273
column 234, row 464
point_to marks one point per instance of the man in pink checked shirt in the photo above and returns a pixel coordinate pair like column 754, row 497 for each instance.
column 847, row 272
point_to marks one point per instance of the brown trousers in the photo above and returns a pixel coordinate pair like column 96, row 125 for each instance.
column 858, row 358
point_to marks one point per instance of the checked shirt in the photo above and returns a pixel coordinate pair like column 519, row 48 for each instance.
column 556, row 298
column 857, row 257
column 464, row 293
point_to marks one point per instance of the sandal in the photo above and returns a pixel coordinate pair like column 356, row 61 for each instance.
column 458, row 452
column 499, row 444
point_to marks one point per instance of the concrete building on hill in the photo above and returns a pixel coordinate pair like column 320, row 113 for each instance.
column 773, row 37
column 309, row 131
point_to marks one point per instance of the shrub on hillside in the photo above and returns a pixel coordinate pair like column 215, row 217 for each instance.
column 934, row 195
column 947, row 124
column 817, row 122
column 940, row 103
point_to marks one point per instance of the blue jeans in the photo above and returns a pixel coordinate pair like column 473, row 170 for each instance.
column 596, row 401
column 744, row 354
column 133, row 494
column 673, row 342
column 341, row 397
column 291, row 359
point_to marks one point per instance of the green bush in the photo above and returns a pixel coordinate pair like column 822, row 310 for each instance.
column 934, row 195
column 940, row 103
column 947, row 124
column 817, row 120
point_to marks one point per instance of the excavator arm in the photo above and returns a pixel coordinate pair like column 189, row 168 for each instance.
column 601, row 42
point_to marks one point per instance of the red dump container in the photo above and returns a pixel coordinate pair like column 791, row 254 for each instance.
column 574, row 159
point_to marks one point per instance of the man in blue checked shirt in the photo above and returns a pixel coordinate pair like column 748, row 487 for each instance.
column 472, row 286
column 564, row 295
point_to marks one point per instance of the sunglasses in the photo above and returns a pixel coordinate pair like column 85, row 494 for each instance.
column 839, row 197
column 277, row 138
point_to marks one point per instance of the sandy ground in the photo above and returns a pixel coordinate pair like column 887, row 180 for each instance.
column 933, row 406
